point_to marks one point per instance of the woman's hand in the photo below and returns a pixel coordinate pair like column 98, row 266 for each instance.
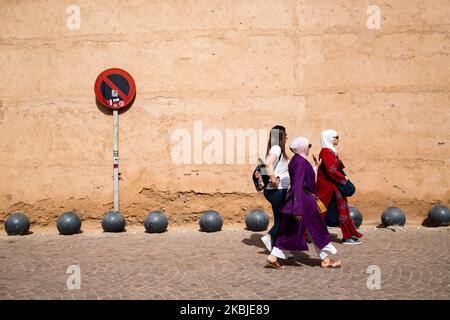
column 275, row 183
column 316, row 163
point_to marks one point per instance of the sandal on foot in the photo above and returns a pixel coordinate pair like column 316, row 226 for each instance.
column 274, row 264
column 331, row 264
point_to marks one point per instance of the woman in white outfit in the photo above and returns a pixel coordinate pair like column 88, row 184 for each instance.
column 277, row 169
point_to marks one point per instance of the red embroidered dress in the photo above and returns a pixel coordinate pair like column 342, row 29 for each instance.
column 328, row 175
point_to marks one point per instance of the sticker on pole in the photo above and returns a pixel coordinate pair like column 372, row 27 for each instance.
column 115, row 88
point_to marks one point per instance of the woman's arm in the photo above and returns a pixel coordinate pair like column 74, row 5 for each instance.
column 270, row 161
column 316, row 166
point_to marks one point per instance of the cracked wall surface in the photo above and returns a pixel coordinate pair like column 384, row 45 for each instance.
column 309, row 65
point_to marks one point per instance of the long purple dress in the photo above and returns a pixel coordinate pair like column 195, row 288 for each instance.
column 300, row 201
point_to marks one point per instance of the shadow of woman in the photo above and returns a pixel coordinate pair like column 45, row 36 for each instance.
column 254, row 240
column 300, row 258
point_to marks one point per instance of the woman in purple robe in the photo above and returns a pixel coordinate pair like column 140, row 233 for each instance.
column 300, row 212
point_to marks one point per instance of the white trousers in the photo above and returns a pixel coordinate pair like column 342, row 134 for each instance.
column 279, row 253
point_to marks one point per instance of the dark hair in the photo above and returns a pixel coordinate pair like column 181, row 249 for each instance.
column 277, row 138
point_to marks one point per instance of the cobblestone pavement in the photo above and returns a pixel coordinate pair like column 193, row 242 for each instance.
column 188, row 264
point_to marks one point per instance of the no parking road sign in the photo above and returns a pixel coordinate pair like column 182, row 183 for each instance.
column 115, row 88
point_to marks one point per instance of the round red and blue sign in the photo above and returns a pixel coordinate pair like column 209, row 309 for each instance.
column 115, row 88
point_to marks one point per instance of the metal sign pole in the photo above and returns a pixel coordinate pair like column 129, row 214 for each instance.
column 116, row 159
column 115, row 89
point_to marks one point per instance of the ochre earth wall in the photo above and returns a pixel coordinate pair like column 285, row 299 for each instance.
column 249, row 64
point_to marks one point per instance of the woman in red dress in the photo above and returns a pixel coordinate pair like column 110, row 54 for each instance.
column 331, row 173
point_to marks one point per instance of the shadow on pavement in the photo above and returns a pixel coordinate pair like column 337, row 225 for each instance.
column 254, row 240
column 300, row 258
column 335, row 238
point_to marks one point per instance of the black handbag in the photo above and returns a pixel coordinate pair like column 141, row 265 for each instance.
column 347, row 189
column 262, row 182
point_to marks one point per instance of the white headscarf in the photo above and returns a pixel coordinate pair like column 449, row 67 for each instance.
column 326, row 139
column 300, row 146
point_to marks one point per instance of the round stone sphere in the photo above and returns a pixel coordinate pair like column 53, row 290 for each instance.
column 17, row 224
column 156, row 222
column 257, row 220
column 393, row 216
column 356, row 216
column 113, row 221
column 439, row 215
column 68, row 223
column 211, row 221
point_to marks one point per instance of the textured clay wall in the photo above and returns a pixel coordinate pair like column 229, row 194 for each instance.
column 249, row 64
